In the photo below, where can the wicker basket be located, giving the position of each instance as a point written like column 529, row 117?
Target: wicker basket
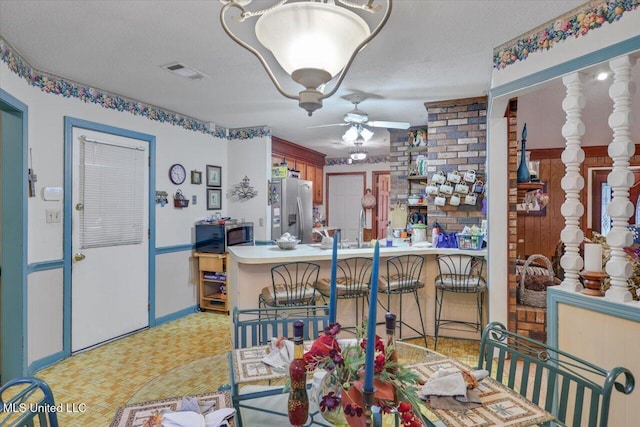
column 528, row 296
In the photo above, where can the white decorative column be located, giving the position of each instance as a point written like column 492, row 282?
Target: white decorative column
column 621, row 178
column 572, row 183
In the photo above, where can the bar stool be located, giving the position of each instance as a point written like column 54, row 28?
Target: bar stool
column 460, row 274
column 403, row 277
column 292, row 283
column 352, row 282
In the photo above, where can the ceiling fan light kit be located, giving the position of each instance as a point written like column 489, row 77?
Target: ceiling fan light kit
column 314, row 42
column 358, row 153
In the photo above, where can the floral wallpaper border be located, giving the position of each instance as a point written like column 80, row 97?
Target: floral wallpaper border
column 573, row 24
column 347, row 161
column 50, row 83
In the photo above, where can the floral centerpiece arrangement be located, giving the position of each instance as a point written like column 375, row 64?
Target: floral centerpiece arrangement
column 341, row 398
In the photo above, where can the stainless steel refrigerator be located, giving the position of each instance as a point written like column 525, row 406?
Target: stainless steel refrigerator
column 291, row 208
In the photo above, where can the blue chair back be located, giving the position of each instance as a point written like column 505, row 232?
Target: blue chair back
column 258, row 325
column 24, row 400
column 577, row 392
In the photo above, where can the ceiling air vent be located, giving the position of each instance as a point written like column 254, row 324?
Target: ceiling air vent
column 184, row 71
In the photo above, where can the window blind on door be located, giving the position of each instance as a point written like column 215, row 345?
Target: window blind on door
column 111, row 193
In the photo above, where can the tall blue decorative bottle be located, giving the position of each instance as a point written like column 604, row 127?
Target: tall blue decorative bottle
column 523, row 170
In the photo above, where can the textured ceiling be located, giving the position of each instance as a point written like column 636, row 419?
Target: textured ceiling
column 429, row 51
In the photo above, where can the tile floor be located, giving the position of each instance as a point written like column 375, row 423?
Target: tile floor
column 107, row 377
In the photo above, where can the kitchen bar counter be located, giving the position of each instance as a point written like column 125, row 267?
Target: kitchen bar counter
column 249, row 270
column 313, row 252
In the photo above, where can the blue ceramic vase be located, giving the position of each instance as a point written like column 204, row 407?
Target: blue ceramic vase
column 523, row 171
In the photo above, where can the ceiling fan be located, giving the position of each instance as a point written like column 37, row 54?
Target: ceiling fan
column 359, row 123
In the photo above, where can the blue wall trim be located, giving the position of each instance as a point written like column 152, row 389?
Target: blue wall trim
column 177, row 315
column 69, row 124
column 575, row 64
column 14, row 139
column 175, row 248
column 45, row 265
column 45, row 362
column 556, row 296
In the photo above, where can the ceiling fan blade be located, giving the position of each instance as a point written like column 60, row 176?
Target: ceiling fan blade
column 392, row 125
column 326, row 126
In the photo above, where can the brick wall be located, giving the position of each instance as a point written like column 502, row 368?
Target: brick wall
column 532, row 322
column 525, row 320
column 456, row 141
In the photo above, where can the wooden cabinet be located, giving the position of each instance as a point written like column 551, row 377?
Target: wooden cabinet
column 310, row 164
column 212, row 282
column 318, row 186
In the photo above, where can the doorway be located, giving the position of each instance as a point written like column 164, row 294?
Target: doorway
column 108, row 245
column 13, row 140
column 344, row 202
column 601, row 195
column 380, row 214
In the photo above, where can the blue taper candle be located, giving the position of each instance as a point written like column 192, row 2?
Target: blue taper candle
column 334, row 267
column 371, row 323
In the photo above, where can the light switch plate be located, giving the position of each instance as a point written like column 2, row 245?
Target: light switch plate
column 53, row 216
column 194, row 200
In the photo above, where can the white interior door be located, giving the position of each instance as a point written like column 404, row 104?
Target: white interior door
column 109, row 281
column 345, row 201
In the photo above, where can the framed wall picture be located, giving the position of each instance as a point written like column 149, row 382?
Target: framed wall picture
column 214, row 176
column 196, row 177
column 214, row 198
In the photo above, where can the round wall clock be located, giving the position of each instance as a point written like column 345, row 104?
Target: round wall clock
column 177, row 174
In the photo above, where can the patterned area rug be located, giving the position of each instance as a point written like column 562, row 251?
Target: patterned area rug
column 137, row 414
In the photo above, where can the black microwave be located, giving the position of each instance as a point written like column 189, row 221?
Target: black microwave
column 215, row 238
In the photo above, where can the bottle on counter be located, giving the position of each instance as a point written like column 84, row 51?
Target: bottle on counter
column 389, row 235
column 298, row 404
column 390, row 323
column 434, row 236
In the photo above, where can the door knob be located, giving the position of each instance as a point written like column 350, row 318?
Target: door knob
column 79, row 256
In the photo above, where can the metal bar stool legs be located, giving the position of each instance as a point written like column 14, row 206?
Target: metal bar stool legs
column 404, row 277
column 459, row 274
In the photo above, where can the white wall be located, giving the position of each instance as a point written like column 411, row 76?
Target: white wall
column 497, row 141
column 542, row 111
column 174, row 226
column 570, row 48
column 250, row 158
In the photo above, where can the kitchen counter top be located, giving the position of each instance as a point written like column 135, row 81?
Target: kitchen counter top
column 313, row 252
column 249, row 271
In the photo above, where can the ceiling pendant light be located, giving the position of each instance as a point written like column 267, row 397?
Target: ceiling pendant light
column 358, row 153
column 314, row 42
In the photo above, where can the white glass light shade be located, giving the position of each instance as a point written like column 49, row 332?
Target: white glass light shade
column 350, row 135
column 311, row 35
column 366, row 134
column 358, row 155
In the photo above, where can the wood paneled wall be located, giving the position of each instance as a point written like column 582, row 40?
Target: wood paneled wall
column 541, row 234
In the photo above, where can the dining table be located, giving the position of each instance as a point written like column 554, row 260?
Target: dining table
column 258, row 393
